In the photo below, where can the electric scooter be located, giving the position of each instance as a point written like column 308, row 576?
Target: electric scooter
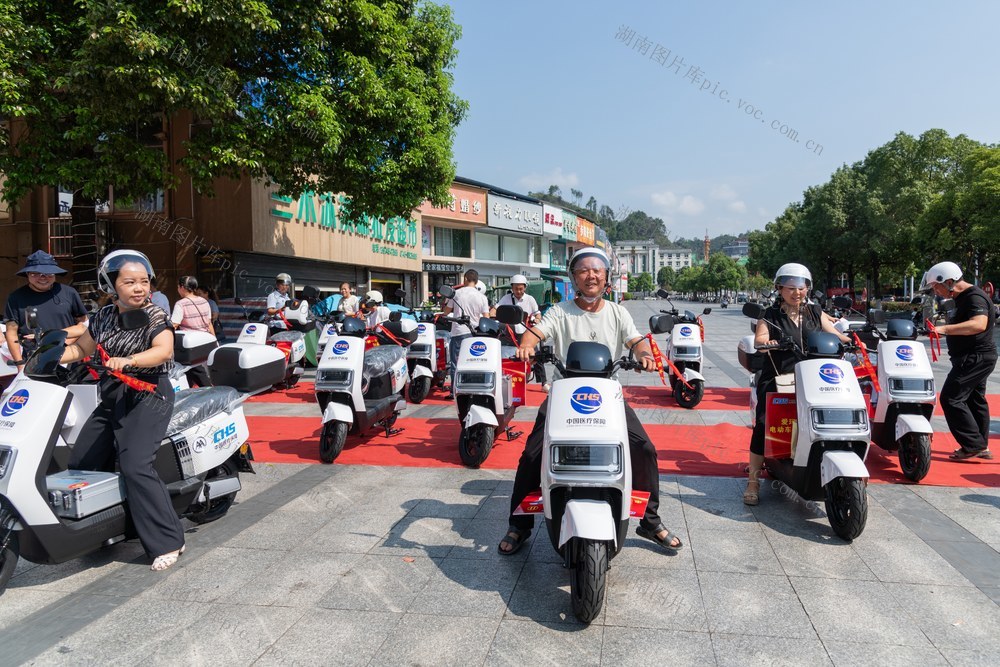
column 817, row 431
column 586, row 477
column 49, row 515
column 489, row 385
column 285, row 348
column 358, row 389
column 685, row 355
column 7, row 368
column 191, row 349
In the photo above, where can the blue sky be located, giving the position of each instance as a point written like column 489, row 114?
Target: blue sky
column 557, row 96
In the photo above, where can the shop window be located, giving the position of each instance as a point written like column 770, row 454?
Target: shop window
column 487, row 247
column 515, row 250
column 536, row 249
column 450, row 242
column 61, row 238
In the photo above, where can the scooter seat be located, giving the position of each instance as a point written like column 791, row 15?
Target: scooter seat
column 287, row 336
column 196, row 405
column 379, row 360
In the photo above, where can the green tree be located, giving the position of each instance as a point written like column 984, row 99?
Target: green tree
column 554, row 191
column 665, row 277
column 592, row 205
column 350, row 96
column 641, row 283
column 722, row 273
column 577, row 196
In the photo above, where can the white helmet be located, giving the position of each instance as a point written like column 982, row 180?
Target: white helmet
column 792, row 275
column 374, row 295
column 113, row 262
column 481, row 287
column 941, row 272
column 590, row 252
column 283, row 278
column 519, row 280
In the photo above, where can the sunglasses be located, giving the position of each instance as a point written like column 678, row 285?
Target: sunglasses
column 33, row 274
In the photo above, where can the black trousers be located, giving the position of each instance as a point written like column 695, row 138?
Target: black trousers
column 645, row 473
column 963, row 400
column 757, row 438
column 198, row 376
column 132, row 424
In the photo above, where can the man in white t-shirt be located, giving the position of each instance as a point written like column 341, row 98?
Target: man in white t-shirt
column 589, row 317
column 276, row 302
column 518, row 296
column 375, row 312
column 467, row 302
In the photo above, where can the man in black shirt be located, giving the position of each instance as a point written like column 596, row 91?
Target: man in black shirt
column 59, row 306
column 969, row 334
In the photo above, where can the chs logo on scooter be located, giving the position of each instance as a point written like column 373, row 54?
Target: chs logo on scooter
column 331, row 330
column 686, row 331
column 904, row 352
column 421, row 328
column 341, row 346
column 831, row 374
column 251, row 328
column 586, row 400
column 16, row 401
column 477, row 349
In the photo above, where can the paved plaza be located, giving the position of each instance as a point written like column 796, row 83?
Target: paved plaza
column 369, row 565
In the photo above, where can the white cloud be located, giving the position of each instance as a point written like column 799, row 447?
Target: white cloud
column 737, row 206
column 554, row 177
column 667, row 199
column 723, row 192
column 691, row 205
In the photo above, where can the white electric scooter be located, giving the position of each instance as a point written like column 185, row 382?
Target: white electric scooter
column 586, row 493
column 685, row 355
column 489, row 385
column 358, row 389
column 817, row 432
column 49, row 515
column 289, row 344
column 191, row 349
column 7, row 368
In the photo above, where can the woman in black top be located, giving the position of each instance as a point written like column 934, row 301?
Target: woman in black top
column 792, row 317
column 129, row 422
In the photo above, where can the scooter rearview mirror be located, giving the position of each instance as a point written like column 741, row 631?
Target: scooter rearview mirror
column 753, row 310
column 130, row 320
column 447, row 291
column 510, row 314
column 842, row 301
column 663, row 294
column 916, row 301
column 310, row 293
column 400, row 293
column 395, row 316
column 661, row 324
column 31, row 317
column 707, row 311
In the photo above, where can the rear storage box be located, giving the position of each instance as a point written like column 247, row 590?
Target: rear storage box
column 246, row 367
column 75, row 494
column 192, row 348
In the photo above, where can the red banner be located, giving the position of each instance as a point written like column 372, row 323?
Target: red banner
column 780, row 425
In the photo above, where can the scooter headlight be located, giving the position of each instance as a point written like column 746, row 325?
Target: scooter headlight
column 586, row 458
column 839, row 418
column 911, row 387
column 334, row 377
column 418, row 350
column 474, row 380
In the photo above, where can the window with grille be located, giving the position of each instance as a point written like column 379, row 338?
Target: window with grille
column 61, row 237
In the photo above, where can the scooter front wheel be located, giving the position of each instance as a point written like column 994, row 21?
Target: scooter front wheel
column 475, row 444
column 217, row 507
column 331, row 440
column 915, row 455
column 689, row 397
column 847, row 506
column 8, row 560
column 589, row 578
column 419, row 388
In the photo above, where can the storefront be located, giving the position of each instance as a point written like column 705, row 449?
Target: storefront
column 448, row 236
column 512, row 243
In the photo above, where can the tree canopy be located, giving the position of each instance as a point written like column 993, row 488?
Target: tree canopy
column 349, row 95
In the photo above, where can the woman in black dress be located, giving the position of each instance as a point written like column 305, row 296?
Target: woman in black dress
column 128, row 422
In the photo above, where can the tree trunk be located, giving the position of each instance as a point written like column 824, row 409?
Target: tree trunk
column 85, row 250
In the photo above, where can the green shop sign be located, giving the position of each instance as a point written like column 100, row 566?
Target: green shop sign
column 335, row 215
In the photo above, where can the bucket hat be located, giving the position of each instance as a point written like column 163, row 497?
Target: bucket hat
column 40, row 262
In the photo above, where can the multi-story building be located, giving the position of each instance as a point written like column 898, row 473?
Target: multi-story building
column 736, row 249
column 637, row 257
column 676, row 258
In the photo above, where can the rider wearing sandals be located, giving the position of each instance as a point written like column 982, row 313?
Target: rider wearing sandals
column 589, row 317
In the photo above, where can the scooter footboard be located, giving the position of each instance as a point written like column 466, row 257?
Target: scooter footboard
column 841, row 464
column 588, row 519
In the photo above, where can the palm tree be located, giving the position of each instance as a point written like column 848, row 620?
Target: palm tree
column 554, row 191
column 577, row 195
column 592, row 205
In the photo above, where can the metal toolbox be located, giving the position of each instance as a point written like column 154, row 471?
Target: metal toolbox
column 74, row 494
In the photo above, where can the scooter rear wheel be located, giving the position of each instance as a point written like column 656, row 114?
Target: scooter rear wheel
column 8, row 560
column 915, row 455
column 688, row 398
column 475, row 444
column 847, row 506
column 419, row 388
column 589, row 579
column 331, row 440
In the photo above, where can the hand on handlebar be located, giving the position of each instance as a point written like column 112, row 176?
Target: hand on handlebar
column 646, row 363
column 118, row 364
column 525, row 353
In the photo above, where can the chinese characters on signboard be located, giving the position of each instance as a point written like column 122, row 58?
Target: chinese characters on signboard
column 514, row 215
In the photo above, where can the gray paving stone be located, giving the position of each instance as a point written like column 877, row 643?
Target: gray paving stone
column 380, row 583
column 978, row 562
column 19, row 602
column 624, row 647
column 469, row 590
column 832, row 559
column 743, row 551
column 72, row 575
column 441, row 643
column 907, row 561
column 857, row 611
column 226, row 635
column 709, row 513
column 283, row 530
column 332, row 637
column 542, row 595
column 969, row 658
column 479, row 539
column 353, row 533
column 754, row 604
column 850, row 654
column 214, row 576
column 299, row 579
column 422, row 536
column 743, row 651
column 953, row 617
column 519, row 643
column 646, row 598
column 640, row 552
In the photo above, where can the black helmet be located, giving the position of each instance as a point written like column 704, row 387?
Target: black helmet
column 821, row 344
column 900, row 330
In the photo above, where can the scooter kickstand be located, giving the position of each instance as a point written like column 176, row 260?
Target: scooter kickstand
column 512, row 434
column 392, row 431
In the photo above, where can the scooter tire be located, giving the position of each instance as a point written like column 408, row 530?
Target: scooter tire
column 847, row 506
column 8, row 560
column 475, row 444
column 419, row 388
column 331, row 440
column 589, row 578
column 915, row 455
column 217, row 507
column 689, row 398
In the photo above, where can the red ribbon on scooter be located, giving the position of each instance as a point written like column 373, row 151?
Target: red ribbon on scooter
column 935, row 337
column 866, row 370
column 127, row 380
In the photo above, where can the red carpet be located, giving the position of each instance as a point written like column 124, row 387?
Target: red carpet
column 688, row 450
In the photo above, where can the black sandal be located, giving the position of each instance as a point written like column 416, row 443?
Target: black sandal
column 516, row 538
column 963, row 454
column 653, row 535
